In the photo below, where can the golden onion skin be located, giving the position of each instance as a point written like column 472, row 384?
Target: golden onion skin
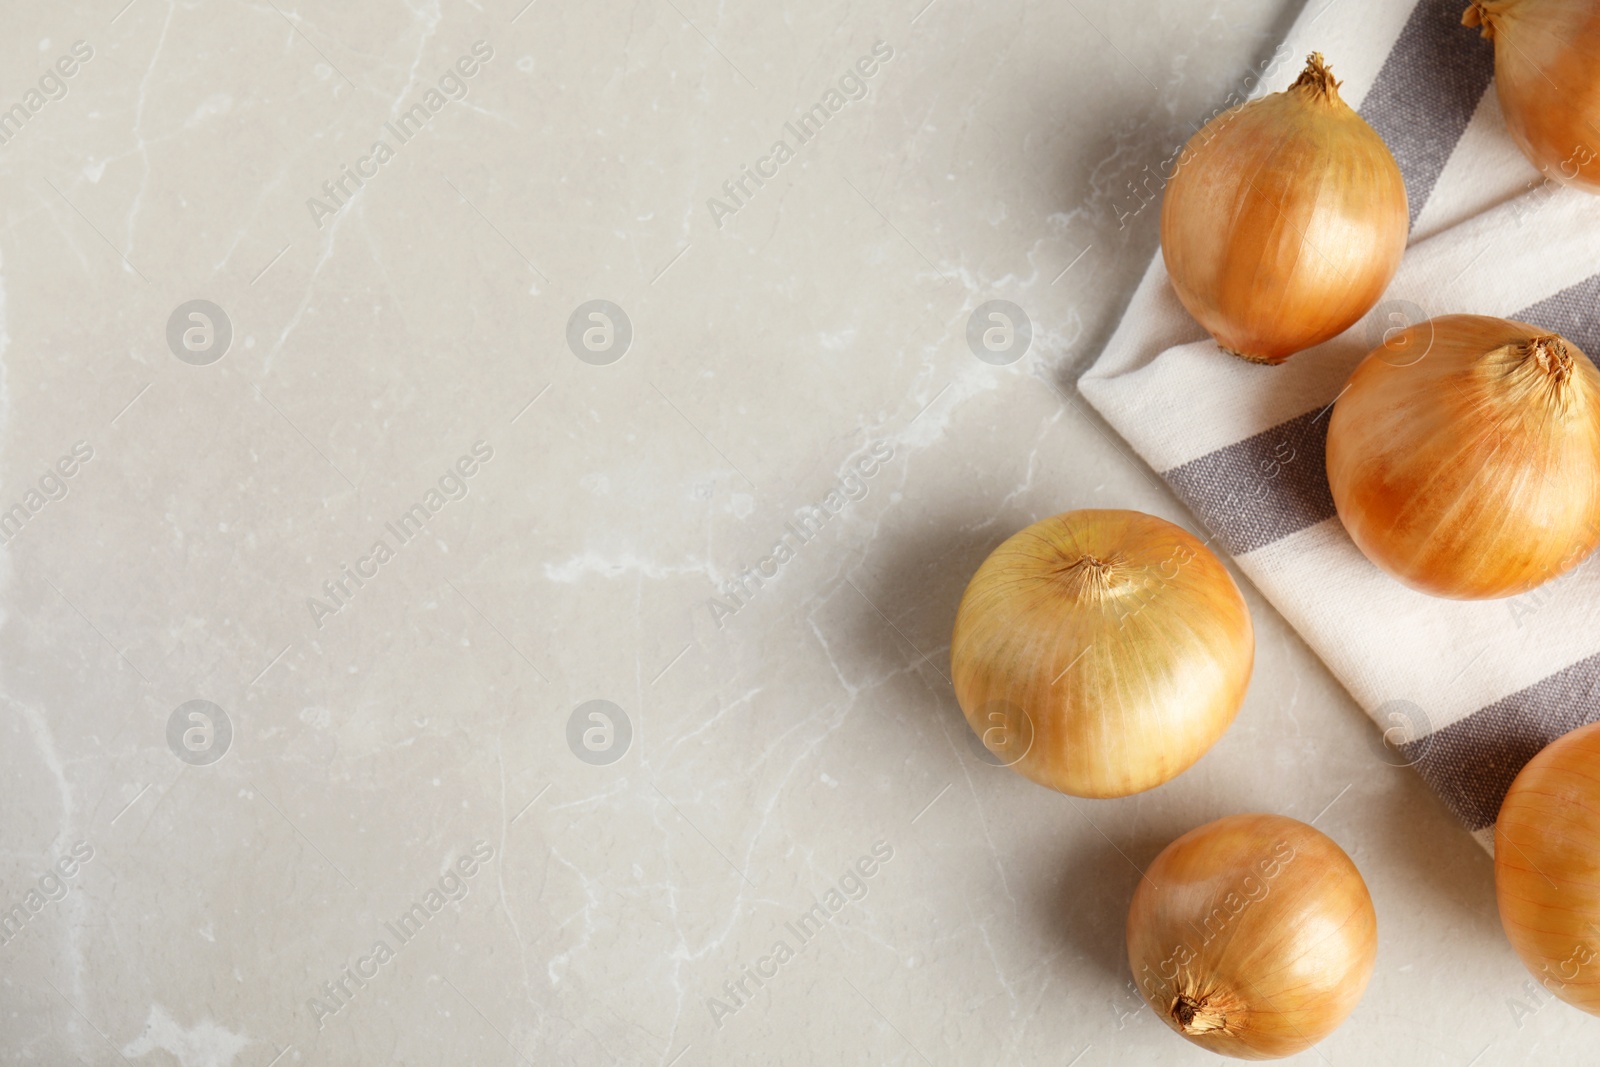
column 1547, row 867
column 1113, row 644
column 1464, row 456
column 1253, row 936
column 1547, row 76
column 1284, row 221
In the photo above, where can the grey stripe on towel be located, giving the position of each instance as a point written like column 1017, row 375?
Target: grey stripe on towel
column 1275, row 483
column 1262, row 489
column 1574, row 313
column 1426, row 92
column 1471, row 763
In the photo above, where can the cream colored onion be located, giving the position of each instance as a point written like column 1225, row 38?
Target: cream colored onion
column 1284, row 221
column 1547, row 867
column 1253, row 936
column 1547, row 76
column 1101, row 653
column 1464, row 456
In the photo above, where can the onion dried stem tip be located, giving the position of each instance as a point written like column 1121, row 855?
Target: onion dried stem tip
column 1478, row 15
column 1317, row 79
column 1550, row 352
column 1090, row 578
column 1194, row 1017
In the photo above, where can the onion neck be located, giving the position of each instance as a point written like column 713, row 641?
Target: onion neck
column 1317, row 82
column 1089, row 578
column 1479, row 14
column 1551, row 355
column 1539, row 367
column 1195, row 1015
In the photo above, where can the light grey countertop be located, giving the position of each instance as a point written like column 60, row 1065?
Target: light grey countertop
column 558, row 530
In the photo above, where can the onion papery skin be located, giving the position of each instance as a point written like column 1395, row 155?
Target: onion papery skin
column 1114, row 643
column 1284, row 221
column 1253, row 936
column 1547, row 76
column 1547, row 867
column 1464, row 456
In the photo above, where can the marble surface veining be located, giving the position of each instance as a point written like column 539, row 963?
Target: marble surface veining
column 485, row 489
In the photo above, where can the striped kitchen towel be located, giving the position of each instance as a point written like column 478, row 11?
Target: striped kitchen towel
column 1466, row 692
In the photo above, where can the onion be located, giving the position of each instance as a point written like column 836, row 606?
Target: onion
column 1547, row 75
column 1252, row 936
column 1464, row 456
column 1285, row 220
column 1547, row 867
column 1101, row 652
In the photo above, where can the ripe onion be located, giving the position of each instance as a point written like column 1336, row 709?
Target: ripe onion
column 1101, row 652
column 1547, row 867
column 1547, row 75
column 1252, row 936
column 1285, row 220
column 1464, row 456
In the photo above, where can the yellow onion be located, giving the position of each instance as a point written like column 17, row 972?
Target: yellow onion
column 1547, row 75
column 1101, row 652
column 1252, row 936
column 1464, row 456
column 1284, row 221
column 1547, row 867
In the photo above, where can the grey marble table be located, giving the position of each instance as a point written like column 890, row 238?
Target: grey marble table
column 485, row 489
